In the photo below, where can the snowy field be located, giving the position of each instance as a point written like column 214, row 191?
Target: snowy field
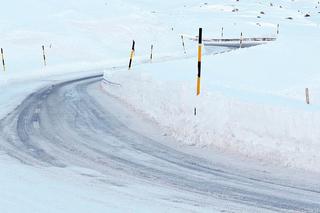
column 251, row 109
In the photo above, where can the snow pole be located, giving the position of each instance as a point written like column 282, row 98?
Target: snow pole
column 184, row 47
column 222, row 32
column 199, row 61
column 151, row 54
column 307, row 96
column 241, row 38
column 2, row 57
column 44, row 56
column 278, row 29
column 131, row 54
column 199, row 66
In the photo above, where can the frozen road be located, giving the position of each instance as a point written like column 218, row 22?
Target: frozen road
column 65, row 125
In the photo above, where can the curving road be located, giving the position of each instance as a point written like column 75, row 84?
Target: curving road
column 64, row 125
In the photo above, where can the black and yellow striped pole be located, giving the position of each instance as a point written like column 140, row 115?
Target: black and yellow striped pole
column 199, row 61
column 199, row 66
column 44, row 56
column 2, row 57
column 131, row 54
column 151, row 54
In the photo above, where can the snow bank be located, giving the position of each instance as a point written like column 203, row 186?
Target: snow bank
column 271, row 132
column 252, row 101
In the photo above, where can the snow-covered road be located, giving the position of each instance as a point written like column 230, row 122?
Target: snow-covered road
column 77, row 124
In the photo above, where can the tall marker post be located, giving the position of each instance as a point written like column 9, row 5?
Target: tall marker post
column 44, row 56
column 131, row 54
column 199, row 66
column 241, row 38
column 222, row 32
column 199, row 61
column 2, row 57
column 278, row 26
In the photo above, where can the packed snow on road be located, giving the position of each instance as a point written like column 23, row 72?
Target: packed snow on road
column 223, row 121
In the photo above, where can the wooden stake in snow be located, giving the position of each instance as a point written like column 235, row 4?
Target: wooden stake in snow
column 241, row 38
column 307, row 96
column 151, row 54
column 44, row 56
column 184, row 48
column 131, row 54
column 2, row 57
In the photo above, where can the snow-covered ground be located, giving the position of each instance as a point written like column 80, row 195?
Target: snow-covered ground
column 251, row 104
column 252, row 100
column 91, row 151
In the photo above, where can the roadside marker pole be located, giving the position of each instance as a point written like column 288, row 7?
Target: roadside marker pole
column 184, row 47
column 151, row 54
column 241, row 38
column 2, row 57
column 278, row 29
column 44, row 56
column 307, row 96
column 199, row 66
column 222, row 32
column 131, row 54
column 199, row 61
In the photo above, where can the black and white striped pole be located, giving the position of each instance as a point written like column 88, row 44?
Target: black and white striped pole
column 222, row 32
column 44, row 56
column 151, row 54
column 241, row 38
column 184, row 47
column 307, row 96
column 131, row 54
column 278, row 26
column 3, row 63
column 199, row 66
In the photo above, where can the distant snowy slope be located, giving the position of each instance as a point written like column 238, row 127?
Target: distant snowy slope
column 80, row 35
column 97, row 34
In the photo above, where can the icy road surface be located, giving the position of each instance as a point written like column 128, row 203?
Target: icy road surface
column 69, row 125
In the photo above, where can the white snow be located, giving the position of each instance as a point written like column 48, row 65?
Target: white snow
column 252, row 100
column 29, row 189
